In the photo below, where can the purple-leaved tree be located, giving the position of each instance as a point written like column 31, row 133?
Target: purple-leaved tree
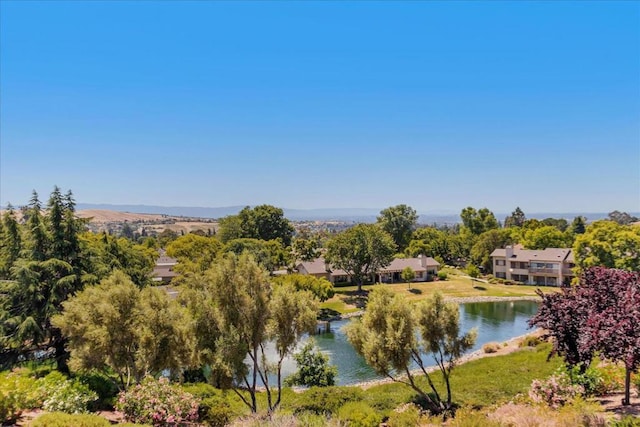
column 599, row 315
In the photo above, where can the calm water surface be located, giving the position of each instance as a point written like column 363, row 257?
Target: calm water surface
column 496, row 321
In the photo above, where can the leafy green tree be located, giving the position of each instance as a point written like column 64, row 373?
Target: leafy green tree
column 194, row 253
column 579, row 225
column 408, row 275
column 230, row 228
column 472, row 271
column 270, row 254
column 361, row 251
column 264, row 222
column 166, row 236
column 546, row 236
column 270, row 224
column 516, row 219
column 429, row 241
column 105, row 253
column 116, row 325
column 392, row 334
column 608, row 244
column 237, row 311
column 305, row 248
column 559, row 223
column 486, row 243
column 399, row 221
column 478, row 221
column 313, row 368
column 321, row 288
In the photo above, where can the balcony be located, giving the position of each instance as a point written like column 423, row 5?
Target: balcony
column 553, row 271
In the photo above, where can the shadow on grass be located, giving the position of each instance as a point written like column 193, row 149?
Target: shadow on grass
column 327, row 313
column 356, row 299
column 480, row 288
column 416, row 291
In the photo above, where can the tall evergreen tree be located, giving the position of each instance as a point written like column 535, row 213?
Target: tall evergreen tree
column 11, row 243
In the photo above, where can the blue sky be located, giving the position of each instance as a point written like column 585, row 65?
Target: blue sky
column 323, row 104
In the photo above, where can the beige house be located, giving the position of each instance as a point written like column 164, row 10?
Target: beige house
column 163, row 270
column 423, row 266
column 546, row 267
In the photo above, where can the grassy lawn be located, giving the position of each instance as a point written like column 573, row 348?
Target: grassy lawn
column 456, row 286
column 479, row 383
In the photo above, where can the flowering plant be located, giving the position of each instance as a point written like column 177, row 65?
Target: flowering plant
column 555, row 391
column 159, row 403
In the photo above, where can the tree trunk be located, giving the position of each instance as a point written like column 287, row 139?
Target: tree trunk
column 627, row 385
column 62, row 355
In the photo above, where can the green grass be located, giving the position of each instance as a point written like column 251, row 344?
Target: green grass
column 479, row 383
column 338, row 304
column 346, row 299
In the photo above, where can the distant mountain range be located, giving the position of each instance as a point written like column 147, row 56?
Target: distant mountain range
column 339, row 214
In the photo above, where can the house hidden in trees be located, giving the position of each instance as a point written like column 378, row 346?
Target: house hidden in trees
column 546, row 267
column 163, row 270
column 423, row 266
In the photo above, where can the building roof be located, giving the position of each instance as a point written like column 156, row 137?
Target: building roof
column 163, row 272
column 400, row 264
column 319, row 266
column 528, row 255
column 166, row 260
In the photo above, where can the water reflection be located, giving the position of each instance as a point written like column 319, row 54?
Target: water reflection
column 496, row 321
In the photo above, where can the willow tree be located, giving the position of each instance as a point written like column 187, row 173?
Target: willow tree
column 238, row 312
column 394, row 335
column 116, row 325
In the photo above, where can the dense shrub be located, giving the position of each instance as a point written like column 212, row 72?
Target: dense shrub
column 359, row 414
column 59, row 419
column 405, row 416
column 325, row 400
column 612, row 378
column 159, row 403
column 442, row 275
column 200, row 390
column 491, row 347
column 555, row 391
column 590, row 380
column 530, row 341
column 313, row 368
column 17, row 392
column 104, row 386
column 57, row 393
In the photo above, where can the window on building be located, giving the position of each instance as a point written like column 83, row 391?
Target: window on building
column 501, row 262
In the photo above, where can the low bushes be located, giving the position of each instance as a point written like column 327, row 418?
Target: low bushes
column 359, row 414
column 64, row 395
column 491, row 347
column 530, row 341
column 325, row 400
column 17, row 392
column 159, row 403
column 54, row 392
column 555, row 391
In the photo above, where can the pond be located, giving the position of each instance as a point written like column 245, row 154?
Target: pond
column 496, row 321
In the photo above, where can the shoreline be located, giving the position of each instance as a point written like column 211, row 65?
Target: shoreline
column 512, row 345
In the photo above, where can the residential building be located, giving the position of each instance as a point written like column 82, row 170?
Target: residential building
column 546, row 267
column 163, row 270
column 423, row 266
